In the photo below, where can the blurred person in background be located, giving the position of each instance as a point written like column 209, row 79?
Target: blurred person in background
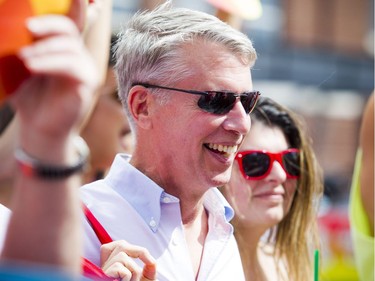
column 185, row 83
column 107, row 130
column 274, row 189
column 361, row 203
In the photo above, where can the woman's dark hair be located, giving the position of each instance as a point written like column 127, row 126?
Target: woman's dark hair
column 272, row 114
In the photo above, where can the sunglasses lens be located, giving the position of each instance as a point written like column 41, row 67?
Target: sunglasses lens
column 255, row 164
column 222, row 103
column 217, row 103
column 249, row 101
column 291, row 162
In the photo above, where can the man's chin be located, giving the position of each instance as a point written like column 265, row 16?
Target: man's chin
column 221, row 179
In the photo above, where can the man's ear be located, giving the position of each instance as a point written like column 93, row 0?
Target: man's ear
column 139, row 102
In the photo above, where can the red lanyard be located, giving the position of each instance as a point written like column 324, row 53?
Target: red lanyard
column 89, row 269
column 99, row 230
column 94, row 272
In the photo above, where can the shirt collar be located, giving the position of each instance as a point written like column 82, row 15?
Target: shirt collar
column 214, row 202
column 146, row 197
column 141, row 192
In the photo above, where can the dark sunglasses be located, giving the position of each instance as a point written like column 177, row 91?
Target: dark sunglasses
column 257, row 164
column 216, row 102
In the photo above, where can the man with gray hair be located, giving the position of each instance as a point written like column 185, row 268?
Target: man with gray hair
column 185, row 83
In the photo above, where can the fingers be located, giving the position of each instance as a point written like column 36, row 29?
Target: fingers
column 48, row 25
column 59, row 51
column 53, row 45
column 122, row 266
column 62, row 75
column 71, row 66
column 118, row 271
column 117, row 261
column 131, row 250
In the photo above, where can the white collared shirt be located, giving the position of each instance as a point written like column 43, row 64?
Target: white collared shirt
column 130, row 206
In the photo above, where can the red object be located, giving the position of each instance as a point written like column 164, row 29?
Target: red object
column 13, row 35
column 257, row 164
column 12, row 73
column 94, row 272
column 26, row 169
column 91, row 270
column 335, row 221
column 102, row 234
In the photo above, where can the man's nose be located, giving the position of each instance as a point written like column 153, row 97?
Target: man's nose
column 237, row 119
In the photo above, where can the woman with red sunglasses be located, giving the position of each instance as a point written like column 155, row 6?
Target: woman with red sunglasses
column 274, row 190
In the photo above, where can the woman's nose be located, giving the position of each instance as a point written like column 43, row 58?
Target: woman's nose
column 277, row 172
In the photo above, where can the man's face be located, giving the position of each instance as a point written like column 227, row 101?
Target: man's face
column 190, row 140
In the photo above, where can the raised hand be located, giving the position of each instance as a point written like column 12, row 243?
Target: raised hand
column 63, row 77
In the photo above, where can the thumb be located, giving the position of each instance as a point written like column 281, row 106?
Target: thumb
column 149, row 272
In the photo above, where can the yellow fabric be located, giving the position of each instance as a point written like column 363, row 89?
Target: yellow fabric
column 363, row 242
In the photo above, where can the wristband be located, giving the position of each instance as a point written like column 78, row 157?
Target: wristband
column 35, row 168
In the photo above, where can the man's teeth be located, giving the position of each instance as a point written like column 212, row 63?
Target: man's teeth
column 229, row 149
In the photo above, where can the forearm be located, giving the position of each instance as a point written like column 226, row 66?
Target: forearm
column 52, row 239
column 32, row 236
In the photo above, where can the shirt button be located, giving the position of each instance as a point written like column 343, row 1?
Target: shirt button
column 152, row 223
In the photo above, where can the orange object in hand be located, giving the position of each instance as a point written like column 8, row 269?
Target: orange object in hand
column 15, row 35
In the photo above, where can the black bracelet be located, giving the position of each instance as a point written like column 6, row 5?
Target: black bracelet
column 34, row 167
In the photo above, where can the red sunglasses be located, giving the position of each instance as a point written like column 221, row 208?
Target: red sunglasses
column 257, row 164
